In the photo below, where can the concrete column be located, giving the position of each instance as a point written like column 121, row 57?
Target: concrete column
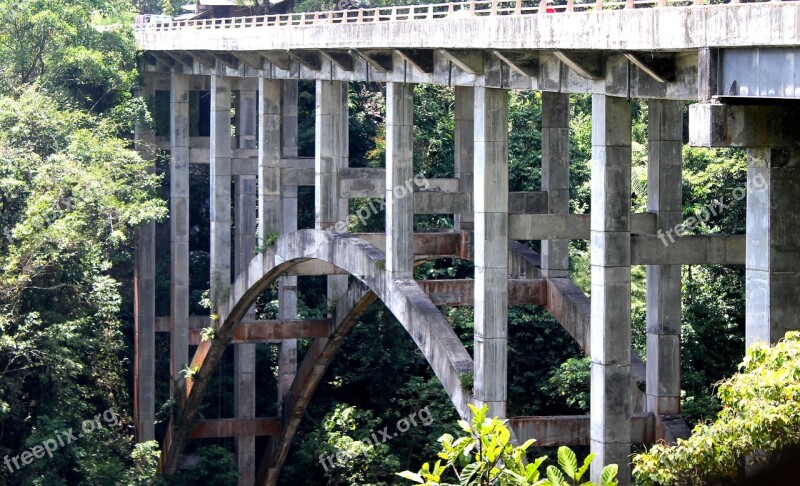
column 245, row 243
column 145, row 304
column 179, row 226
column 220, row 186
column 464, row 114
column 337, row 284
column 327, row 154
column 491, row 249
column 287, row 286
column 399, row 171
column 611, row 285
column 772, row 275
column 665, row 133
column 555, row 176
column 269, row 158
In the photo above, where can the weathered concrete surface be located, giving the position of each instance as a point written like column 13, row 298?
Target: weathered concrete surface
column 179, row 225
column 573, row 430
column 568, row 226
column 491, row 249
column 462, row 292
column 688, row 250
column 238, row 427
column 646, row 29
column 663, row 388
column 144, row 307
column 247, row 117
column 772, row 275
column 220, row 186
column 463, row 151
column 718, row 125
column 555, row 177
column 399, row 173
column 611, row 285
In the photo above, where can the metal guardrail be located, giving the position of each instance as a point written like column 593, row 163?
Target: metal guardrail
column 399, row 13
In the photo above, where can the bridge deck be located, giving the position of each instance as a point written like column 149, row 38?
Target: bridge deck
column 641, row 52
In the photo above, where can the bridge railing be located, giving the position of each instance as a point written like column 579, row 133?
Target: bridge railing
column 399, row 13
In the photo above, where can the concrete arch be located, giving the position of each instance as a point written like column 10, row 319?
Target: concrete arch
column 403, row 297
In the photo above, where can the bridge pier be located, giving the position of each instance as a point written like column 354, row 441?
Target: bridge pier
column 664, row 198
column 555, row 177
column 145, row 301
column 179, row 227
column 399, row 171
column 491, row 249
column 245, row 243
column 610, row 332
column 285, row 144
column 464, row 141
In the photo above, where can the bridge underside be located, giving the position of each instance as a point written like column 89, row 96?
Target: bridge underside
column 262, row 162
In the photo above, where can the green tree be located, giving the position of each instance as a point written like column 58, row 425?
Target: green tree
column 760, row 416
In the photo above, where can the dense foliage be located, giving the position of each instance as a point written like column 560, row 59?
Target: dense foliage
column 760, row 417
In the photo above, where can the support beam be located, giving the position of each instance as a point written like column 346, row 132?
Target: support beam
column 220, row 186
column 468, row 60
column 688, row 250
column 464, row 139
column 569, row 226
column 664, row 197
column 328, row 154
column 588, row 64
column 555, row 176
column 461, row 293
column 245, row 354
column 421, row 59
column 179, row 227
column 239, row 428
column 611, row 285
column 145, row 302
column 287, row 286
column 574, row 430
column 399, row 170
column 491, row 249
column 272, row 332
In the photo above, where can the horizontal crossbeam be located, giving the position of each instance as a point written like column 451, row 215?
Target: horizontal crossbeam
column 239, row 427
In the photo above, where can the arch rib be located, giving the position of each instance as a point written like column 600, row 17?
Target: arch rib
column 403, row 297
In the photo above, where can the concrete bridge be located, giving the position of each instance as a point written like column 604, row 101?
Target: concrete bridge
column 740, row 63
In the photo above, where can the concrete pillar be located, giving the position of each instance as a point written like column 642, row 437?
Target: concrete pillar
column 491, row 249
column 245, row 243
column 179, row 226
column 287, row 286
column 555, row 176
column 145, row 304
column 610, row 333
column 337, row 284
column 399, row 171
column 665, row 134
column 772, row 275
column 464, row 114
column 220, row 187
column 327, row 154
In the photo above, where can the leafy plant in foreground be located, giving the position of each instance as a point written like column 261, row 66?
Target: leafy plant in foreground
column 485, row 456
